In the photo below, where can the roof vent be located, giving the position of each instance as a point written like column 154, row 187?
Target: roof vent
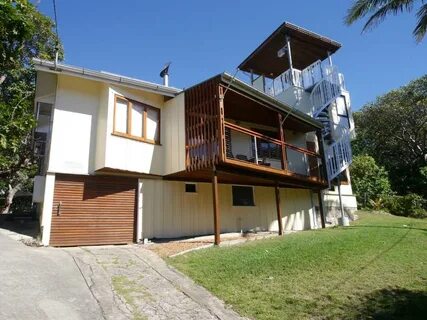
column 165, row 74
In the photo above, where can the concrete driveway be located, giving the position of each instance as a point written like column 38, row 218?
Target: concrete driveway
column 106, row 282
column 42, row 283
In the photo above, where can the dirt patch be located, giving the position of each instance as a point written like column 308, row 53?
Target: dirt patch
column 173, row 247
column 168, row 249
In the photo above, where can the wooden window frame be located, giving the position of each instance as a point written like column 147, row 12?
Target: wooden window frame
column 128, row 134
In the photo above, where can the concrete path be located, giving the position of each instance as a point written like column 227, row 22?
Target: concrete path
column 42, row 283
column 148, row 287
column 109, row 282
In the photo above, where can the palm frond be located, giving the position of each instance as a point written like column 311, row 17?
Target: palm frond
column 361, row 8
column 392, row 7
column 421, row 27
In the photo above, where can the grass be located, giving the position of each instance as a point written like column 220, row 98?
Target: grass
column 375, row 269
column 130, row 292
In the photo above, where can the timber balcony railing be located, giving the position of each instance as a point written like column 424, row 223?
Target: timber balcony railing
column 254, row 150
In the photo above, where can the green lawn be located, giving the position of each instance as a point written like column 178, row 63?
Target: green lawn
column 375, row 269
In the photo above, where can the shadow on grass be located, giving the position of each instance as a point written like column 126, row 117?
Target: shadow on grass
column 393, row 303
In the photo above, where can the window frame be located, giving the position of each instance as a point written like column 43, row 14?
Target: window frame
column 253, row 203
column 128, row 133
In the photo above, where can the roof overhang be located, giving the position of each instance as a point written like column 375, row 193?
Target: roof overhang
column 49, row 66
column 306, row 46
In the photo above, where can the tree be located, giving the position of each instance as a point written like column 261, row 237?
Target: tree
column 393, row 130
column 25, row 33
column 380, row 9
column 369, row 181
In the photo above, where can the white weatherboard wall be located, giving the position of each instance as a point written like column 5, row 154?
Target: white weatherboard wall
column 102, row 125
column 173, row 134
column 46, row 87
column 298, row 98
column 332, row 204
column 132, row 155
column 46, row 216
column 74, row 127
column 169, row 212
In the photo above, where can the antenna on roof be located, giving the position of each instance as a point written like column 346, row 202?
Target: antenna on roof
column 165, row 74
column 57, row 35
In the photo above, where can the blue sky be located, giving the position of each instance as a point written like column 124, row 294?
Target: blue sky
column 203, row 38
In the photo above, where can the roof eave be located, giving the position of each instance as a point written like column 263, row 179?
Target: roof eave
column 49, row 66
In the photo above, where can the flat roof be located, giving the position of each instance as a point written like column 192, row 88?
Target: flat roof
column 60, row 68
column 306, row 46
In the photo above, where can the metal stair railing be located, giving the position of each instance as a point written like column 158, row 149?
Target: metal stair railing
column 338, row 156
column 326, row 90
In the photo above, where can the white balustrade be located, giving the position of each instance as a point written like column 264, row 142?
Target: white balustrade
column 338, row 156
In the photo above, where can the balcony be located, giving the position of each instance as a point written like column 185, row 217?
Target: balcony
column 250, row 137
column 255, row 150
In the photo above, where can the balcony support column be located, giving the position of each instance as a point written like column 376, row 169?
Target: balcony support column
column 216, row 211
column 330, row 58
column 323, row 172
column 278, row 208
column 282, row 138
column 289, row 54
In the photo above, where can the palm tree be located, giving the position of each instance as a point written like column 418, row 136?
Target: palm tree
column 379, row 9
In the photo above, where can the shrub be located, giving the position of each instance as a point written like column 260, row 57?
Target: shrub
column 412, row 205
column 369, row 181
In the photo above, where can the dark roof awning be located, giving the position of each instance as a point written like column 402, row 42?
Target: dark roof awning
column 306, row 46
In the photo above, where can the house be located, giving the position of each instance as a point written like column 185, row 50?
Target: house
column 122, row 160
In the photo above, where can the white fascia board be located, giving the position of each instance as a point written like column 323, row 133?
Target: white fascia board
column 49, row 66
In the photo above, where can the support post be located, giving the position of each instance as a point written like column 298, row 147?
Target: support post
column 140, row 211
column 322, row 212
column 283, row 159
column 216, row 211
column 329, row 58
column 278, row 208
column 289, row 53
column 324, row 172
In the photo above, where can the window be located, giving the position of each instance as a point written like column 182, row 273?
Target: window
column 136, row 120
column 243, row 196
column 190, row 188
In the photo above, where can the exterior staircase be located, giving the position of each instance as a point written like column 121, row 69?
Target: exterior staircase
column 338, row 154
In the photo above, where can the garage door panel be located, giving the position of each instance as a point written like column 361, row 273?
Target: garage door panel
column 93, row 210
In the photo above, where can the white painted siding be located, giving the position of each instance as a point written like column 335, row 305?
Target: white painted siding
column 74, row 126
column 45, row 87
column 102, row 127
column 173, row 134
column 297, row 98
column 170, row 212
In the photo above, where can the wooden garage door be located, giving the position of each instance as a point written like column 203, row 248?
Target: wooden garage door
column 93, row 210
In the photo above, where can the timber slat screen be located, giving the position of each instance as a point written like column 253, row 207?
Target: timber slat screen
column 93, row 210
column 203, row 125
